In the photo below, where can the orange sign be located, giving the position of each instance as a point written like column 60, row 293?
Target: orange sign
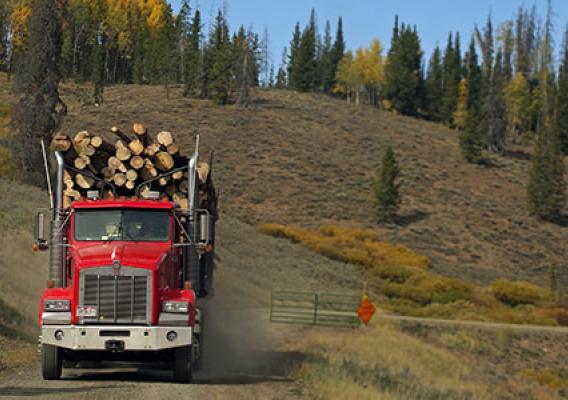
column 366, row 310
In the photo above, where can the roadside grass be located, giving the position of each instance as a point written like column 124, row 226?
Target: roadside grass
column 407, row 286
column 7, row 165
column 382, row 362
column 15, row 353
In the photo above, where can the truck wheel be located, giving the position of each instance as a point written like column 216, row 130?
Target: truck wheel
column 183, row 364
column 51, row 362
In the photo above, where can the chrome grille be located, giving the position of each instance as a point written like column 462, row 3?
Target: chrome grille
column 120, row 298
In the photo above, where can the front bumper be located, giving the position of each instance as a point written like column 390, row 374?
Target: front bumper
column 133, row 338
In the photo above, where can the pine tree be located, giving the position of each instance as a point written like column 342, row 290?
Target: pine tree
column 435, row 87
column 293, row 64
column 40, row 110
column 547, row 187
column 386, row 188
column 281, row 78
column 494, row 110
column 183, row 24
column 473, row 76
column 486, row 43
column 325, row 67
column 98, row 76
column 452, row 77
column 307, row 62
column 141, row 36
column 471, row 143
column 192, row 56
column 471, row 136
column 546, row 75
column 403, row 85
column 337, row 51
column 265, row 58
column 561, row 123
column 220, row 79
column 507, row 42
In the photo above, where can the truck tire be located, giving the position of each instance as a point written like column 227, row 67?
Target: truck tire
column 51, row 362
column 183, row 364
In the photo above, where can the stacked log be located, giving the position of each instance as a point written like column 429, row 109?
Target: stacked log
column 126, row 161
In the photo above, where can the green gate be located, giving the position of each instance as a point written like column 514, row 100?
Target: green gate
column 327, row 309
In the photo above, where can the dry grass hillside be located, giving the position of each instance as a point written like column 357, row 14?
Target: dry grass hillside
column 308, row 159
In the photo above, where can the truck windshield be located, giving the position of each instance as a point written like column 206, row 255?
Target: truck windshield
column 123, row 225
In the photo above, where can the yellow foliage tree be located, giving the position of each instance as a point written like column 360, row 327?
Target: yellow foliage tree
column 517, row 97
column 347, row 78
column 460, row 114
column 373, row 66
column 362, row 72
column 21, row 12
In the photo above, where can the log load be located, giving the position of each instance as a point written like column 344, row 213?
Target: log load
column 125, row 160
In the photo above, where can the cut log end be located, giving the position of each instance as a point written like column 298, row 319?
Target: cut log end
column 165, row 138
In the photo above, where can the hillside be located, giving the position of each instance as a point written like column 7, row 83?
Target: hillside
column 308, row 159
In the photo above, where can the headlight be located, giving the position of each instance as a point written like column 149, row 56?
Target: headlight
column 56, row 305
column 175, row 306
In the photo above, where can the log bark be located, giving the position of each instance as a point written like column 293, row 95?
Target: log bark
column 120, row 134
column 148, row 172
column 99, row 160
column 171, row 189
column 102, row 145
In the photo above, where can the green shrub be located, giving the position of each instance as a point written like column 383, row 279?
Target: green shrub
column 427, row 288
column 517, row 293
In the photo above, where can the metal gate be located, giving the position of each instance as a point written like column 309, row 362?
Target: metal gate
column 327, row 309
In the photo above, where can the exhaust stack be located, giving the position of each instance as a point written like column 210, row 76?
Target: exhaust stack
column 57, row 234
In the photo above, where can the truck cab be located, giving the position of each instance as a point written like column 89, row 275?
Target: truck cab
column 125, row 277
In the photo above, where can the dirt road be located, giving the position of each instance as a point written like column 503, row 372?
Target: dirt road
column 245, row 355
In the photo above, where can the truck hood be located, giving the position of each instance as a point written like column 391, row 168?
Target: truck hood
column 144, row 255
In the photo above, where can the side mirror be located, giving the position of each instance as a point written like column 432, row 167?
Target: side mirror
column 39, row 231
